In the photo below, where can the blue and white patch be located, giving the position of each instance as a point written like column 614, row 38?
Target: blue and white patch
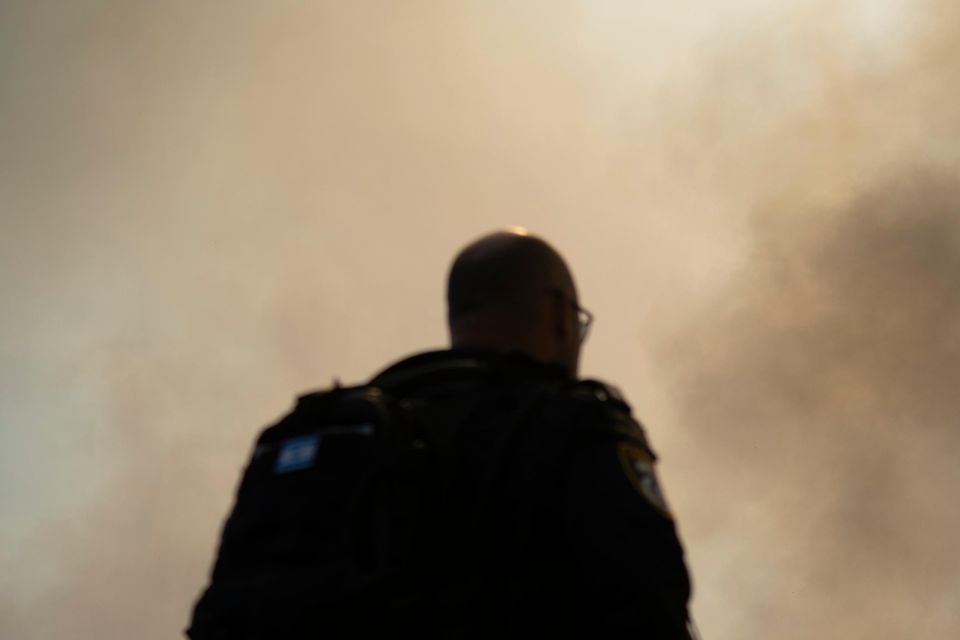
column 296, row 454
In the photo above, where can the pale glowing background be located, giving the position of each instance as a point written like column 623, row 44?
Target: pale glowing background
column 209, row 207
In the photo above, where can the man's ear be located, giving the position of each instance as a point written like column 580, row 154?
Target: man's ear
column 559, row 323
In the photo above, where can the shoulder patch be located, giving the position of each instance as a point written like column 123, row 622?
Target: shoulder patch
column 638, row 465
column 297, row 454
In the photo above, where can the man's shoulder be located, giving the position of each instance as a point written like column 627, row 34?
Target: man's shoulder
column 599, row 393
column 599, row 408
column 592, row 396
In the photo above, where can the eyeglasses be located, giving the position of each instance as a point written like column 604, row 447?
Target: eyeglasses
column 584, row 320
column 584, row 317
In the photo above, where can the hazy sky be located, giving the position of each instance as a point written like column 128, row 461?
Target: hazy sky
column 210, row 207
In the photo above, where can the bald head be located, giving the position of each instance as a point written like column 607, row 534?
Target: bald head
column 511, row 291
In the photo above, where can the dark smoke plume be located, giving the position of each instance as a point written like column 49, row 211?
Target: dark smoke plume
column 825, row 394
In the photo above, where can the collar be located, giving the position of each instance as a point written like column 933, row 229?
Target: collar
column 447, row 364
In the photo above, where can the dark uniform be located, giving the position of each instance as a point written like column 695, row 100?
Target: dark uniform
column 556, row 518
column 549, row 519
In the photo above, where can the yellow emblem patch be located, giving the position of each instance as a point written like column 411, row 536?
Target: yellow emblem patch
column 638, row 466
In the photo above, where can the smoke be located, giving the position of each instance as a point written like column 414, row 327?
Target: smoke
column 817, row 389
column 208, row 208
column 822, row 391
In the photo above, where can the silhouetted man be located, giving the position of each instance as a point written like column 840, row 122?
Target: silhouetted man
column 540, row 514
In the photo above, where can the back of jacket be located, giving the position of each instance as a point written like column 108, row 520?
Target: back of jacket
column 553, row 520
